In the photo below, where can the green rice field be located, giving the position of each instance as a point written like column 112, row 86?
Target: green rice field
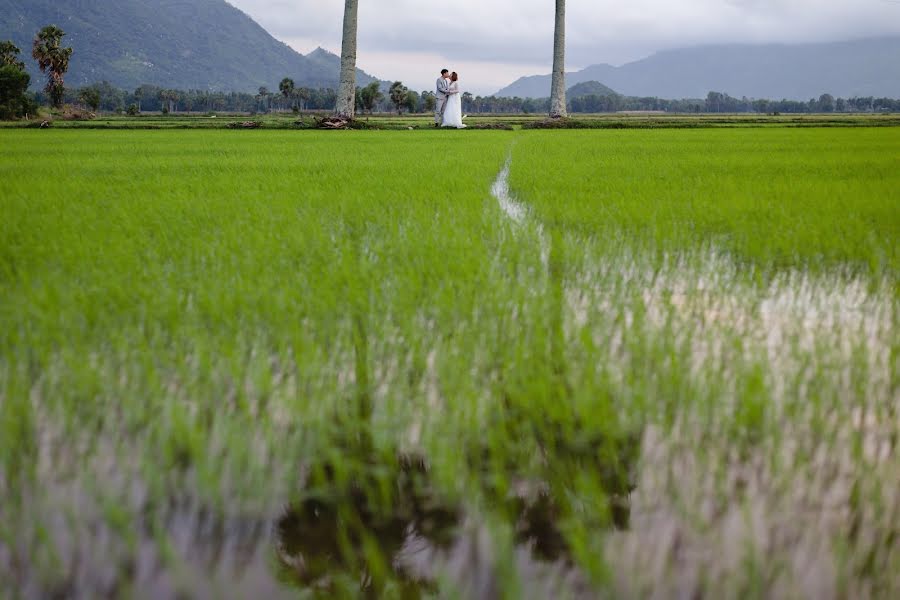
column 440, row 364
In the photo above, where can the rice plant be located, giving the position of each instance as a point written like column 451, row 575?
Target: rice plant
column 331, row 364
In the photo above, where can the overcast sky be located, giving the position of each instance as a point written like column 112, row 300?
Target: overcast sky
column 494, row 42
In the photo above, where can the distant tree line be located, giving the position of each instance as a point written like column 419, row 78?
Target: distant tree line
column 826, row 103
column 105, row 97
column 397, row 98
column 500, row 105
column 715, row 102
column 371, row 99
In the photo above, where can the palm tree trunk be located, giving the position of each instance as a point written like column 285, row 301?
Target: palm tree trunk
column 346, row 100
column 558, row 87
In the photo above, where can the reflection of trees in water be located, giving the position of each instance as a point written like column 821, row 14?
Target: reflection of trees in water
column 391, row 529
column 357, row 531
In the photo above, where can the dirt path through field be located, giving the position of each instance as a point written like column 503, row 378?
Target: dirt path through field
column 517, row 212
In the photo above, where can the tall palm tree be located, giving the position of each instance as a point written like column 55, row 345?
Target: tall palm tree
column 263, row 98
column 53, row 59
column 346, row 100
column 286, row 87
column 302, row 94
column 558, row 87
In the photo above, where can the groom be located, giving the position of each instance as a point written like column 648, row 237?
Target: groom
column 443, row 92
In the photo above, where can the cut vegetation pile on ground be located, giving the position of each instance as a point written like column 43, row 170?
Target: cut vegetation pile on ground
column 235, row 363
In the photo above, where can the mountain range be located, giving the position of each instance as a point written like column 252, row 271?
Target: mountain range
column 589, row 88
column 869, row 67
column 184, row 44
column 211, row 45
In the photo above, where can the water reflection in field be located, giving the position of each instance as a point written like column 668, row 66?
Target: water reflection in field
column 396, row 533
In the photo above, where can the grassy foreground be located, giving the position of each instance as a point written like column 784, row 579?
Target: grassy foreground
column 246, row 364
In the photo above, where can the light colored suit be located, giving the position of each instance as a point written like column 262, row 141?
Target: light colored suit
column 441, row 95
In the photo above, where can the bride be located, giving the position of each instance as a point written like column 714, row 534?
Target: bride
column 453, row 116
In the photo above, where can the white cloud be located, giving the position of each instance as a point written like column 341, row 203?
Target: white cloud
column 493, row 42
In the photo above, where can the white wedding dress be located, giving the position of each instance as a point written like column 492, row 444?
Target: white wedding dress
column 453, row 116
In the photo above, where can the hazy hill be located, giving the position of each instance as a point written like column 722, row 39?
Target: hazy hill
column 859, row 68
column 589, row 88
column 200, row 44
column 323, row 59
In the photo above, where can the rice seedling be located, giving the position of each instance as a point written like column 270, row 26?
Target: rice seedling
column 252, row 362
column 739, row 294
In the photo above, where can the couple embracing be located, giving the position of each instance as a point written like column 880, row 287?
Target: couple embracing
column 448, row 108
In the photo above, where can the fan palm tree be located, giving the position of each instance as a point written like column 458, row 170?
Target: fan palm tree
column 286, row 87
column 9, row 56
column 558, row 87
column 53, row 59
column 346, row 100
column 302, row 95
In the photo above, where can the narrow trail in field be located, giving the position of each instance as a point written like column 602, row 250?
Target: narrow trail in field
column 500, row 190
column 516, row 211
